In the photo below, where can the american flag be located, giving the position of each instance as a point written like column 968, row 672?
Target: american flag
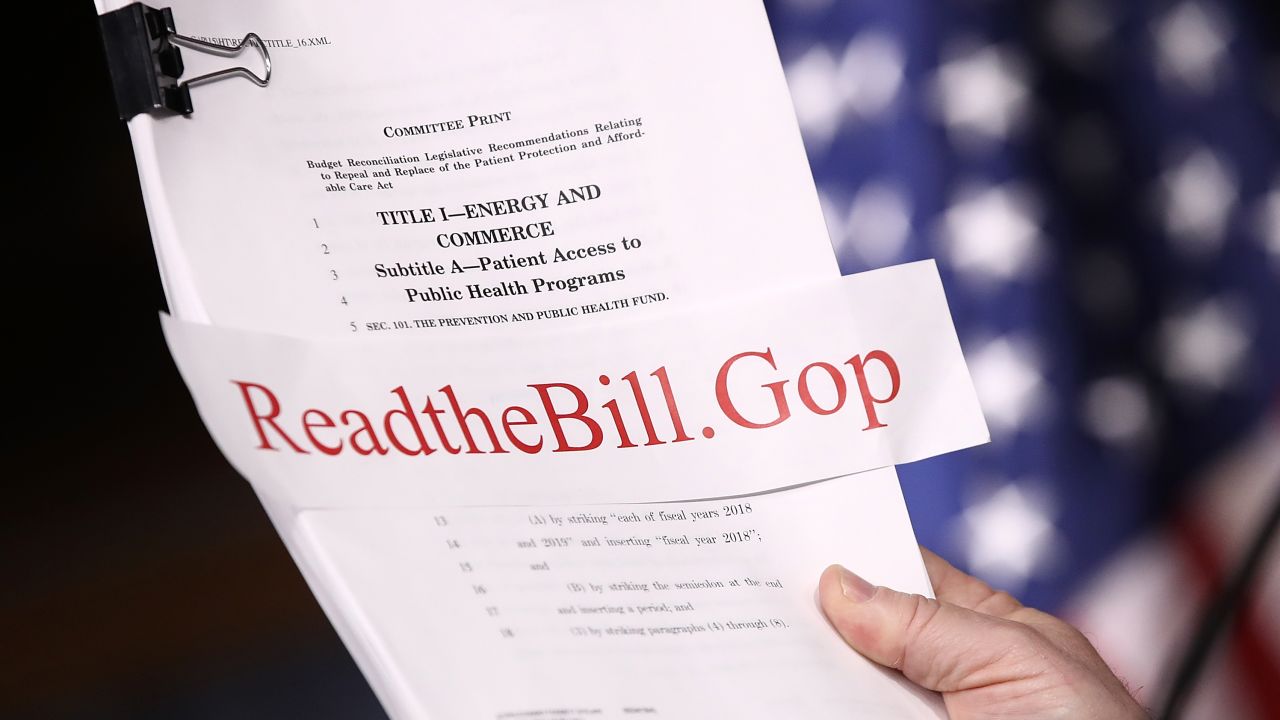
column 1100, row 183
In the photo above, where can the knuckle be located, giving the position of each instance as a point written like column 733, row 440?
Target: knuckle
column 923, row 613
column 1031, row 616
column 1002, row 601
column 1023, row 637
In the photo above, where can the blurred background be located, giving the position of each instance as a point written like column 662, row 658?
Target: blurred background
column 1099, row 181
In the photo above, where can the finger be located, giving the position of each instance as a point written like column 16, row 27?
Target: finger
column 959, row 588
column 937, row 645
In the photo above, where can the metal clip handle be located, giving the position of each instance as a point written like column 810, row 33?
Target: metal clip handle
column 250, row 40
column 145, row 63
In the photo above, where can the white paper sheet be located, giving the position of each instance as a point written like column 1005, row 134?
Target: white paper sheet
column 858, row 373
column 715, row 188
column 674, row 610
column 698, row 187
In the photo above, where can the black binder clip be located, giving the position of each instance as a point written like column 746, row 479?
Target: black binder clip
column 145, row 62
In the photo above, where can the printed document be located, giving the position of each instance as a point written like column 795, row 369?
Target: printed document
column 419, row 166
column 523, row 322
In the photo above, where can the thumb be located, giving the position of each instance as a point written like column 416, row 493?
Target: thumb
column 935, row 644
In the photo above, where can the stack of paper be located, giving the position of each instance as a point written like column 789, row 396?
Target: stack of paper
column 522, row 320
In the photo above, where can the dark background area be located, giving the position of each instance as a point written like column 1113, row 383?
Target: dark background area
column 141, row 577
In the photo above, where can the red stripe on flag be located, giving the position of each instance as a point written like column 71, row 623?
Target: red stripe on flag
column 1254, row 663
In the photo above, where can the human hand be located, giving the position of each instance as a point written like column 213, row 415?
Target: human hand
column 989, row 656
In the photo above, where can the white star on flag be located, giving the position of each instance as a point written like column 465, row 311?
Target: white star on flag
column 878, row 224
column 812, row 80
column 1117, row 410
column 1009, row 383
column 1190, row 47
column 981, row 92
column 1078, row 28
column 1204, row 347
column 1198, row 196
column 1007, row 536
column 870, row 73
column 990, row 232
